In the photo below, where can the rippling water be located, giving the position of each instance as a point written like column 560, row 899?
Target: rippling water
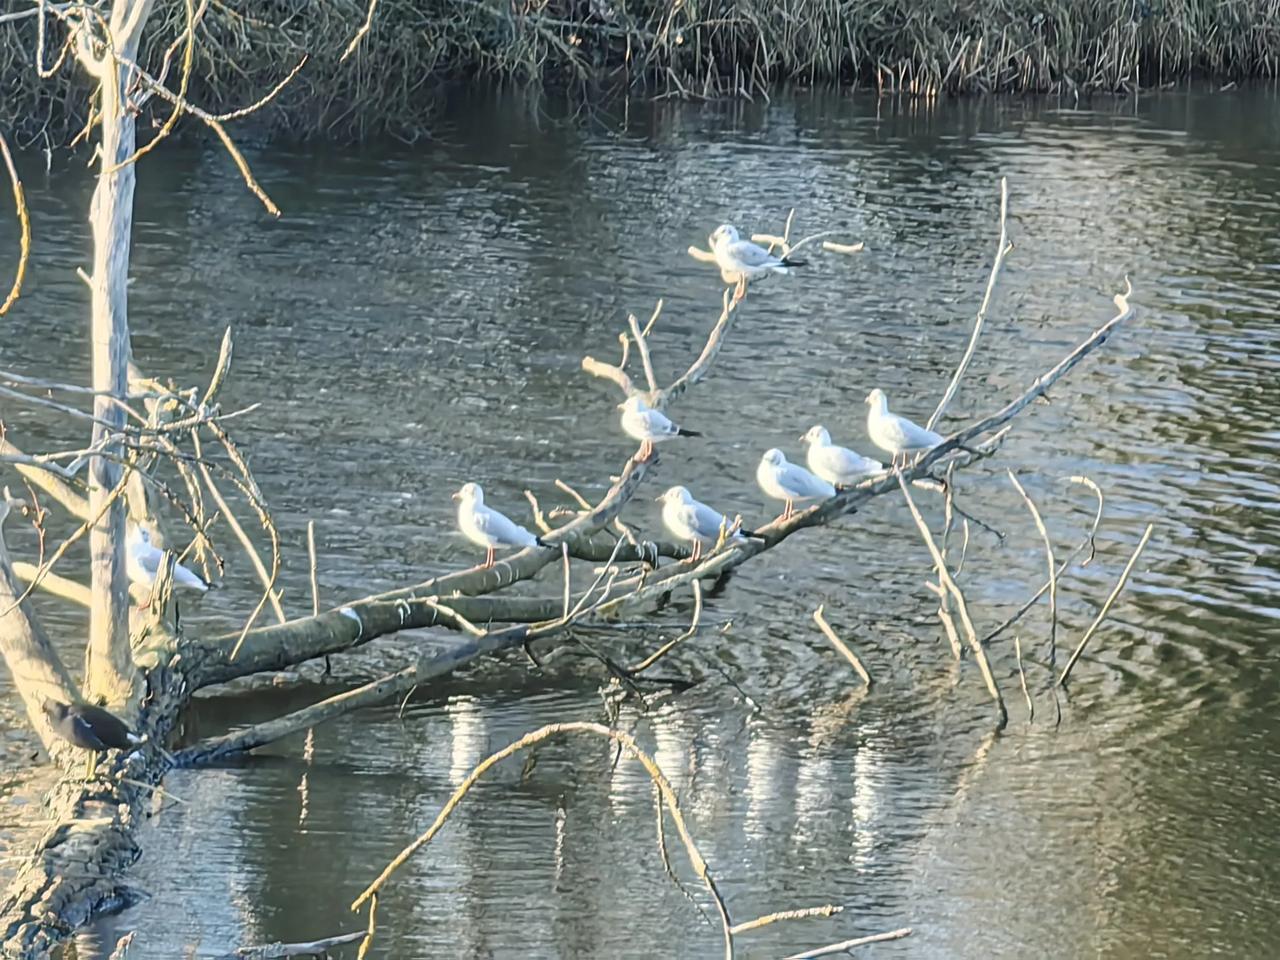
column 417, row 318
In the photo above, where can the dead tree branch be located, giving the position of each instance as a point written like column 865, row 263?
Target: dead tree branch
column 1062, row 568
column 24, row 225
column 962, row 606
column 826, row 910
column 1106, row 607
column 623, row 742
column 841, row 646
column 845, row 946
column 281, row 951
column 1002, row 247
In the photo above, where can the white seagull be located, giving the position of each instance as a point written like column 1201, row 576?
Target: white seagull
column 143, row 563
column 487, row 527
column 741, row 260
column 894, row 434
column 647, row 425
column 789, row 481
column 838, row 465
column 694, row 521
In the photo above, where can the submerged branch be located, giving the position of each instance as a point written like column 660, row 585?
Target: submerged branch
column 826, row 910
column 625, row 743
column 962, row 606
column 1106, row 607
column 841, row 646
column 845, row 946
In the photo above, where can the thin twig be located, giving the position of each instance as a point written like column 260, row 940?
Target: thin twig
column 1022, row 677
column 962, row 607
column 214, row 124
column 172, row 120
column 1053, row 568
column 1002, row 248
column 845, row 945
column 311, row 554
column 579, row 498
column 24, row 225
column 1087, row 542
column 1097, row 621
column 826, row 910
column 840, row 645
column 642, row 346
column 648, row 327
column 670, row 645
column 360, row 34
column 624, row 742
column 568, row 578
column 267, row 97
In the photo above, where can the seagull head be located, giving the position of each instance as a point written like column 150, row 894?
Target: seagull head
column 470, row 493
column 877, row 399
column 774, row 457
column 674, row 493
column 816, row 434
column 634, row 404
column 725, row 233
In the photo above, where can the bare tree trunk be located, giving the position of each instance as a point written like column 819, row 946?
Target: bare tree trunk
column 109, row 669
column 33, row 663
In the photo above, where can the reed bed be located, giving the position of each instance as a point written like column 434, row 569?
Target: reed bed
column 687, row 48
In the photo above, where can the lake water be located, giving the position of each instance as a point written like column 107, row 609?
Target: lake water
column 416, row 319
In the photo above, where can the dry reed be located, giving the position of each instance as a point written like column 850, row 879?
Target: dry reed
column 724, row 47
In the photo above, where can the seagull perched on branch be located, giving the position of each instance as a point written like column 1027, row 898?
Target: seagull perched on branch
column 894, row 434
column 487, row 527
column 694, row 521
column 144, row 563
column 789, row 481
column 741, row 260
column 838, row 465
column 647, row 425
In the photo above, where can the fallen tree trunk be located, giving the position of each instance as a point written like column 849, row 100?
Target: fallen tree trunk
column 74, row 873
column 360, row 622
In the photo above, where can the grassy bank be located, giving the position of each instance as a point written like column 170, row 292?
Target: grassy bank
column 671, row 47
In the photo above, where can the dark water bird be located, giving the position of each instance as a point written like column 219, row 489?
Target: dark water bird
column 90, row 728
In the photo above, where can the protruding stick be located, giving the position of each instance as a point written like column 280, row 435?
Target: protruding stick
column 1002, row 248
column 840, row 645
column 1106, row 607
column 845, row 945
column 962, row 607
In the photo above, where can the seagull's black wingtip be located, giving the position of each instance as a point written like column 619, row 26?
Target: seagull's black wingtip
column 789, row 262
column 542, row 543
column 687, row 433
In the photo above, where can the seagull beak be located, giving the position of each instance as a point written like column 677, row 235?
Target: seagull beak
column 457, row 496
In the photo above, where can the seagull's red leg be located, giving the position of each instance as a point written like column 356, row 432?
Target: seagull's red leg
column 489, row 554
